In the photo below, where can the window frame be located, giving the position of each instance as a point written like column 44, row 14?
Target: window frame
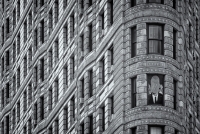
column 133, row 92
column 133, row 42
column 162, row 41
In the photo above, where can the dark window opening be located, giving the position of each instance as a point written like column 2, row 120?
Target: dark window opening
column 175, row 92
column 90, row 38
column 91, row 124
column 111, row 55
column 82, row 128
column 133, row 41
column 174, row 43
column 197, row 30
column 111, row 12
column 103, row 118
column 133, row 3
column 133, row 130
column 112, row 104
column 90, row 83
column 174, row 4
column 42, row 107
column 42, row 31
column 50, row 99
column 102, row 21
column 133, row 92
column 90, row 3
column 103, row 70
column 82, row 88
column 7, row 58
column 42, row 70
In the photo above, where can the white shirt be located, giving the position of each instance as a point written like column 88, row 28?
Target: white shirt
column 155, row 97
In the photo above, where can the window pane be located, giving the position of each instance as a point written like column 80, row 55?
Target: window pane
column 155, row 32
column 154, row 1
column 155, row 46
column 156, row 130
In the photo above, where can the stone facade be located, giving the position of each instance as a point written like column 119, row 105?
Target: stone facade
column 87, row 66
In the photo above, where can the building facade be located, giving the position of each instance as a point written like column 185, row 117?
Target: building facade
column 99, row 67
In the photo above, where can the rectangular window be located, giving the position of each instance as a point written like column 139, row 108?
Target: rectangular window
column 197, row 30
column 18, row 77
column 190, row 81
column 18, row 111
column 90, row 3
column 42, row 3
column 36, row 74
column 42, row 107
column 2, row 34
column 73, row 67
column 82, row 42
column 42, row 69
column 66, row 117
column 29, row 94
column 82, row 128
column 7, row 124
column 29, row 126
column 111, row 55
column 190, row 36
column 56, row 90
column 103, row 118
column 90, row 38
column 66, row 75
column 25, row 32
column 14, row 19
column 133, row 41
column 174, row 43
column 156, row 1
column 73, row 107
column 174, row 4
column 91, row 124
column 65, row 40
column 56, row 127
column 56, row 11
column 30, row 21
column 2, row 96
column 111, row 12
column 102, row 21
column 50, row 99
column 14, row 52
column 36, row 39
column 133, row 130
column 133, row 92
column 7, row 58
column 18, row 10
column 175, row 92
column 42, row 32
column 2, row 129
column 133, row 3
column 25, row 101
column 102, row 70
column 18, row 44
column 155, row 95
column 25, row 129
column 2, row 64
column 50, row 60
column 7, row 92
column 82, row 88
column 35, row 114
column 197, row 68
column 90, row 83
column 25, row 2
column 7, row 27
column 112, row 104
column 50, row 130
column 155, row 39
column 156, row 130
column 50, row 21
column 25, row 66
column 14, row 116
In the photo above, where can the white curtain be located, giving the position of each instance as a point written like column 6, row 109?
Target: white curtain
column 155, row 38
column 155, row 130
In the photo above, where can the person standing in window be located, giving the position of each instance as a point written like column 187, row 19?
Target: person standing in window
column 156, row 94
